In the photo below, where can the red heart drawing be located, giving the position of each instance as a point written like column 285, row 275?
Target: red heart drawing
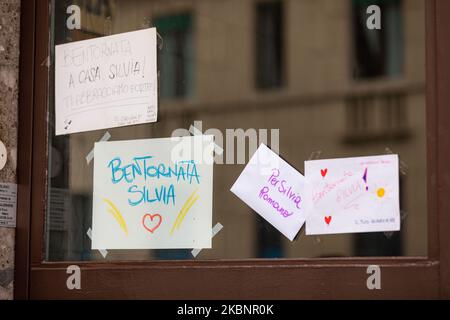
column 323, row 172
column 153, row 225
column 328, row 220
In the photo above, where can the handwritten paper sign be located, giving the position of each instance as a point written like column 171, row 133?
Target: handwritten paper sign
column 8, row 204
column 106, row 82
column 152, row 194
column 353, row 195
column 274, row 189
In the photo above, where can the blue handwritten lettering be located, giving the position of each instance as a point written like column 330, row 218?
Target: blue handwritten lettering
column 149, row 195
column 141, row 167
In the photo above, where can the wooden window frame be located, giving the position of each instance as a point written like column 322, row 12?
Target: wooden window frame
column 321, row 278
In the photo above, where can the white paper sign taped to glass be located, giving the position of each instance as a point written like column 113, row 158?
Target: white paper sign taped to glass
column 8, row 204
column 153, row 193
column 274, row 189
column 353, row 195
column 106, row 82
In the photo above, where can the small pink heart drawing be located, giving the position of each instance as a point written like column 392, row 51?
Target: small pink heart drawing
column 328, row 220
column 152, row 223
column 323, row 172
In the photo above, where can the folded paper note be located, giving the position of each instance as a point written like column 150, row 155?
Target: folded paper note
column 274, row 189
column 352, row 195
column 153, row 194
column 106, row 82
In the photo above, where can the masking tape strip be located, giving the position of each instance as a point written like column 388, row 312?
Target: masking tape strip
column 402, row 166
column 195, row 132
column 161, row 42
column 315, row 155
column 103, row 252
column 46, row 62
column 90, row 155
column 215, row 231
column 403, row 215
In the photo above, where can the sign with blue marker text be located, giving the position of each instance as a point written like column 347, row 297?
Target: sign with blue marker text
column 153, row 193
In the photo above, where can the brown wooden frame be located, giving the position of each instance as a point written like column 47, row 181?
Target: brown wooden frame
column 421, row 277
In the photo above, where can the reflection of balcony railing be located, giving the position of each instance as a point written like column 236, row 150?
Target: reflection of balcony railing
column 377, row 116
column 285, row 99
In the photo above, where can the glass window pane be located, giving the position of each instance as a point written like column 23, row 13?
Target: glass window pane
column 306, row 76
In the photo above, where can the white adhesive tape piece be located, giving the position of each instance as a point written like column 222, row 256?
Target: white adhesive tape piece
column 403, row 167
column 90, row 155
column 315, row 155
column 215, row 231
column 195, row 132
column 103, row 252
column 3, row 155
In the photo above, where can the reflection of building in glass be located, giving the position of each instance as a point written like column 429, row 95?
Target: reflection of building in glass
column 378, row 54
column 269, row 44
column 176, row 59
column 306, row 67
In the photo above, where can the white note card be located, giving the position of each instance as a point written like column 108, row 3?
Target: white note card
column 106, row 82
column 8, row 204
column 274, row 189
column 352, row 195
